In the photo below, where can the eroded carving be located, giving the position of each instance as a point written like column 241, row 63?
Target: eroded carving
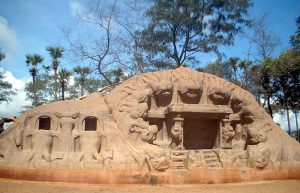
column 159, row 122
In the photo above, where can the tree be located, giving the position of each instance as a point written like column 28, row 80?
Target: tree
column 127, row 50
column 93, row 84
column 5, row 87
column 238, row 71
column 64, row 77
column 232, row 66
column 32, row 62
column 295, row 43
column 216, row 68
column 287, row 78
column 287, row 81
column 263, row 39
column 295, row 38
column 181, row 29
column 117, row 75
column 264, row 42
column 91, row 47
column 266, row 81
column 37, row 92
column 56, row 53
column 83, row 72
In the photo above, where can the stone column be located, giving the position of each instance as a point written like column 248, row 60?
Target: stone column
column 67, row 125
column 177, row 132
column 226, row 134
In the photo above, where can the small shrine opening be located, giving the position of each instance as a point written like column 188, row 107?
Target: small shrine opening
column 44, row 123
column 200, row 133
column 90, row 124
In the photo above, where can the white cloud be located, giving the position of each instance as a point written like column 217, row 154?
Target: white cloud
column 15, row 106
column 76, row 8
column 8, row 37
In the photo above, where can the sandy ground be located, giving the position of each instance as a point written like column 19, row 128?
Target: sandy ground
column 13, row 186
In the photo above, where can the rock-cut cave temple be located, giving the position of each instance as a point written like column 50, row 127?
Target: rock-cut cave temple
column 175, row 126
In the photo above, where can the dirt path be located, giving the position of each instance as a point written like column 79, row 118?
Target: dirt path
column 14, row 186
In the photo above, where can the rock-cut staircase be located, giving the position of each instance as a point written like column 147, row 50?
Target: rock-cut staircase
column 211, row 159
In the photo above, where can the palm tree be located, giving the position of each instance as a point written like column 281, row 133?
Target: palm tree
column 64, row 77
column 82, row 72
column 56, row 53
column 32, row 62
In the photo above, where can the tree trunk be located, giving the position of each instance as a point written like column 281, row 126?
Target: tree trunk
column 34, row 91
column 269, row 107
column 235, row 75
column 178, row 64
column 81, row 88
column 55, row 84
column 288, row 119
column 297, row 128
column 63, row 90
column 103, row 74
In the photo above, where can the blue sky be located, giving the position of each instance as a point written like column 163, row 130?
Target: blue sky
column 29, row 26
column 35, row 24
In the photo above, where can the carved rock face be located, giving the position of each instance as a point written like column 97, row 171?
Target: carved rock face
column 256, row 138
column 257, row 133
column 144, row 96
column 236, row 103
column 251, row 114
column 219, row 96
column 90, row 143
column 162, row 89
column 263, row 160
column 176, row 132
column 159, row 162
column 149, row 135
column 189, row 91
column 170, row 121
column 228, row 133
column 41, row 141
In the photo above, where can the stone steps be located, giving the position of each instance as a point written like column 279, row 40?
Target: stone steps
column 179, row 160
column 211, row 159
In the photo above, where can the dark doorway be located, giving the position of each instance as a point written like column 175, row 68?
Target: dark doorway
column 200, row 133
column 44, row 123
column 90, row 124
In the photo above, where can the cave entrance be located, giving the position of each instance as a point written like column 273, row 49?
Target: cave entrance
column 44, row 123
column 90, row 124
column 200, row 133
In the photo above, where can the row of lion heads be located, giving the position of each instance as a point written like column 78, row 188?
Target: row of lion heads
column 157, row 89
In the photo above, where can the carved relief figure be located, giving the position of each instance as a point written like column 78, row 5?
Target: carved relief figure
column 257, row 132
column 39, row 140
column 10, row 142
column 263, row 159
column 92, row 149
column 158, row 162
column 228, row 134
column 176, row 135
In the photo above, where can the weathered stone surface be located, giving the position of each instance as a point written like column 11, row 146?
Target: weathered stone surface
column 176, row 126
